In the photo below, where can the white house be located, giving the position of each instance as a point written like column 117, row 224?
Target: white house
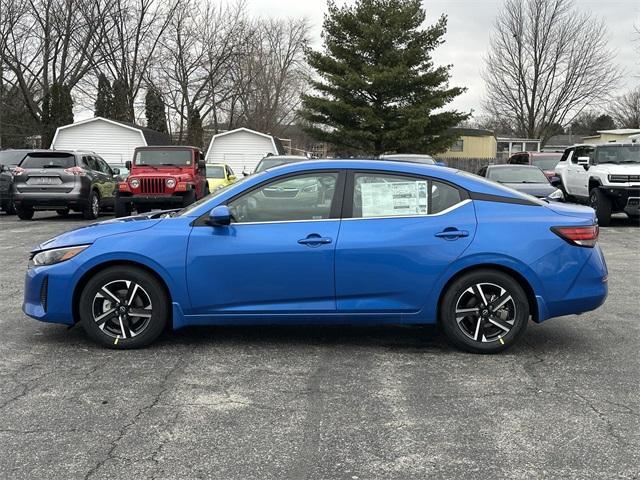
column 242, row 148
column 112, row 140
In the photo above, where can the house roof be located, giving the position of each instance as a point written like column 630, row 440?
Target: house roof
column 277, row 144
column 621, row 131
column 151, row 137
column 470, row 132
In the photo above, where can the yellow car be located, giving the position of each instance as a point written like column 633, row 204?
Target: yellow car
column 219, row 175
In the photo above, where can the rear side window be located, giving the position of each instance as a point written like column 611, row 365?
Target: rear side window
column 388, row 195
column 48, row 160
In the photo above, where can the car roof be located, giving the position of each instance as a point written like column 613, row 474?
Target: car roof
column 510, row 165
column 405, row 155
column 298, row 158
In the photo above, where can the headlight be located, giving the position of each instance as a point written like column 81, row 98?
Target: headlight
column 171, row 182
column 56, row 255
column 557, row 195
column 134, row 182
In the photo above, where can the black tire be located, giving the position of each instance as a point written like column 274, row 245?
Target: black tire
column 122, row 208
column 24, row 213
column 108, row 331
column 206, row 189
column 9, row 208
column 142, row 209
column 92, row 210
column 602, row 205
column 490, row 330
column 63, row 212
column 188, row 198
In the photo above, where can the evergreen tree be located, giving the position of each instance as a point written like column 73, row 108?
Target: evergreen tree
column 378, row 87
column 120, row 108
column 195, row 133
column 155, row 110
column 57, row 110
column 104, row 99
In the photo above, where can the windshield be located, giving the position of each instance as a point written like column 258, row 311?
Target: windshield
column 266, row 163
column 48, row 160
column 507, row 190
column 548, row 162
column 11, row 157
column 214, row 171
column 171, row 156
column 618, row 154
column 187, row 210
column 516, row 174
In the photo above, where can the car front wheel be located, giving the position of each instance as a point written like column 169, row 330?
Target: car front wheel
column 92, row 209
column 485, row 311
column 602, row 205
column 123, row 307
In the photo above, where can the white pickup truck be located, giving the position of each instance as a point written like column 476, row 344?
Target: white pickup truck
column 605, row 176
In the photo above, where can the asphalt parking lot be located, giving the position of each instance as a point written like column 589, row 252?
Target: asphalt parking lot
column 318, row 402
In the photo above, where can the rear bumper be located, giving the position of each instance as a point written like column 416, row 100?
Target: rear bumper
column 76, row 199
column 588, row 291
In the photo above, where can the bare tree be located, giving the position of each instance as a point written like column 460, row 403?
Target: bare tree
column 547, row 61
column 128, row 52
column 626, row 109
column 49, row 41
column 274, row 74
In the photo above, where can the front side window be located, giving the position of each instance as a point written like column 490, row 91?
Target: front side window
column 385, row 195
column 299, row 198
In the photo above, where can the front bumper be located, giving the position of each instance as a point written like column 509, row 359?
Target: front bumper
column 626, row 199
column 48, row 293
column 153, row 200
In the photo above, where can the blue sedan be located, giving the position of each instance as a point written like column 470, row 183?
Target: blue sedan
column 332, row 242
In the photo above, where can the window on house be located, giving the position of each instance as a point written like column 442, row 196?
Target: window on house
column 458, row 146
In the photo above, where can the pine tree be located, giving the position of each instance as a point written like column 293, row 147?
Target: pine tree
column 120, row 110
column 378, row 87
column 57, row 110
column 104, row 99
column 195, row 133
column 154, row 108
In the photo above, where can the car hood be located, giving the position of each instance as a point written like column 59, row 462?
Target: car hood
column 622, row 169
column 90, row 233
column 540, row 190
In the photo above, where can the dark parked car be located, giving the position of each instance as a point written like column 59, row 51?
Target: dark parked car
column 276, row 160
column 545, row 161
column 9, row 159
column 63, row 181
column 524, row 178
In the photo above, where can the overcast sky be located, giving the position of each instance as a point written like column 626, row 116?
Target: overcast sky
column 467, row 38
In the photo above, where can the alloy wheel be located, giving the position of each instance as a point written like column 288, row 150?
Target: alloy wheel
column 485, row 312
column 122, row 309
column 95, row 206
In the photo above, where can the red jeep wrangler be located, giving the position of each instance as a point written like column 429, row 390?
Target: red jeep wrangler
column 162, row 177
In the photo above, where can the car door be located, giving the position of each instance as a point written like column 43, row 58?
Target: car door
column 277, row 255
column 108, row 182
column 578, row 177
column 397, row 237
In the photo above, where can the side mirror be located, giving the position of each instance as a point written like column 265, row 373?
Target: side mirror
column 584, row 161
column 232, row 178
column 116, row 171
column 127, row 164
column 219, row 216
column 202, row 164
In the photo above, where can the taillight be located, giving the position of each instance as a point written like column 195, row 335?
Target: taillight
column 18, row 170
column 77, row 171
column 580, row 236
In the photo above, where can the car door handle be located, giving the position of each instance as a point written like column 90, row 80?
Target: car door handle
column 452, row 234
column 314, row 240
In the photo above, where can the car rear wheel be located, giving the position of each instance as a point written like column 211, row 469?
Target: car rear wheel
column 602, row 205
column 485, row 311
column 24, row 213
column 10, row 208
column 123, row 307
column 92, row 210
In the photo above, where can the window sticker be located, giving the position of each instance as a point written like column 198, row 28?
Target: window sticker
column 394, row 198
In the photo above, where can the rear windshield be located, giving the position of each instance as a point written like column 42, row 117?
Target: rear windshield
column 516, row 174
column 11, row 157
column 266, row 163
column 48, row 160
column 164, row 157
column 215, row 171
column 546, row 162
